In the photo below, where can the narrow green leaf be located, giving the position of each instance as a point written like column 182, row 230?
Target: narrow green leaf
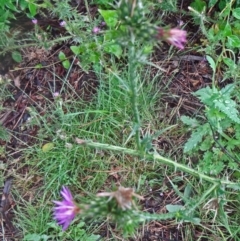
column 32, row 8
column 17, row 56
column 173, row 208
column 187, row 191
column 34, row 236
column 211, row 62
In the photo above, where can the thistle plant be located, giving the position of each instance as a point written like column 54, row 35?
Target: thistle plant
column 139, row 29
column 119, row 205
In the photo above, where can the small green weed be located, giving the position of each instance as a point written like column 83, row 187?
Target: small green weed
column 221, row 33
column 216, row 135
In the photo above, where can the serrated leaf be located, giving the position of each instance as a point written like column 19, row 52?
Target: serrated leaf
column 228, row 107
column 189, row 121
column 211, row 62
column 204, row 94
column 206, row 144
column 236, row 13
column 232, row 143
column 196, row 137
column 228, row 89
column 174, row 208
column 17, row 56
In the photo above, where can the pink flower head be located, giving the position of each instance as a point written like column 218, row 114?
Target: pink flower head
column 174, row 36
column 56, row 94
column 34, row 21
column 65, row 210
column 62, row 23
column 96, row 30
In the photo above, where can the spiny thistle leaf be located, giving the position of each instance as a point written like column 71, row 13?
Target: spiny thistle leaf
column 189, row 121
column 196, row 137
column 227, row 106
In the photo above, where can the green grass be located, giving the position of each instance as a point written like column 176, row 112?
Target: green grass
column 106, row 118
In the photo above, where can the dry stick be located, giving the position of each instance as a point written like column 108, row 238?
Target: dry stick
column 156, row 157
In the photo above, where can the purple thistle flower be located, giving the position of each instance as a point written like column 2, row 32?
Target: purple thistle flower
column 96, row 30
column 174, row 36
column 34, row 21
column 56, row 94
column 65, row 210
column 62, row 23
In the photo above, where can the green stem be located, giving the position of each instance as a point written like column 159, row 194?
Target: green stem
column 158, row 158
column 132, row 76
column 88, row 11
